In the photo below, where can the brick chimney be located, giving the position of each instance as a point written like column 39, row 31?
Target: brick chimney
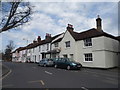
column 38, row 39
column 48, row 36
column 70, row 27
column 99, row 23
column 34, row 41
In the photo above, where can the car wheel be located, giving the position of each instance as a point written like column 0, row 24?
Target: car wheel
column 68, row 67
column 44, row 65
column 55, row 66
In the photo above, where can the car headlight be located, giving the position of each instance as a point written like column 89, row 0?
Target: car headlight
column 73, row 64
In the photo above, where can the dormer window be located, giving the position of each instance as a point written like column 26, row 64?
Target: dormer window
column 67, row 44
column 88, row 42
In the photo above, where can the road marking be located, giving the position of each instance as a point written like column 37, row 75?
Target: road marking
column 84, row 88
column 34, row 81
column 6, row 74
column 42, row 82
column 48, row 72
column 37, row 81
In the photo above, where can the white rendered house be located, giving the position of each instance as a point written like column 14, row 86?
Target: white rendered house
column 92, row 48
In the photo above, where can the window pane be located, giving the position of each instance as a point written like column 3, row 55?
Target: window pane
column 88, row 57
column 88, row 42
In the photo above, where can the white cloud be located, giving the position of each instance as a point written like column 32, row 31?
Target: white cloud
column 54, row 17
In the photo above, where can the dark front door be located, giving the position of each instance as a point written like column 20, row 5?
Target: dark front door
column 43, row 55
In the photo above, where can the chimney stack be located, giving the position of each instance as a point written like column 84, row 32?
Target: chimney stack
column 99, row 23
column 34, row 41
column 39, row 39
column 70, row 27
column 48, row 36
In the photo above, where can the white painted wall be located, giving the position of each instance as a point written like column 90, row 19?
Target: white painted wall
column 101, row 57
column 68, row 50
column 111, row 52
column 98, row 56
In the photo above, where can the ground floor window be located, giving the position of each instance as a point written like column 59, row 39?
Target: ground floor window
column 88, row 57
column 65, row 56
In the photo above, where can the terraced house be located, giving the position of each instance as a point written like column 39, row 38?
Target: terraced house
column 92, row 48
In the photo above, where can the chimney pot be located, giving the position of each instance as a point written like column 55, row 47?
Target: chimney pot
column 47, row 36
column 39, row 39
column 70, row 27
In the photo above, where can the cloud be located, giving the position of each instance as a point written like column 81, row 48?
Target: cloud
column 53, row 17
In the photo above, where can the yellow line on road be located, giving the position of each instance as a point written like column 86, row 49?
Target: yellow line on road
column 6, row 74
column 37, row 81
column 34, row 81
column 42, row 82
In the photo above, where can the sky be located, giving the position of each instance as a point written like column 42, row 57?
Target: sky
column 53, row 17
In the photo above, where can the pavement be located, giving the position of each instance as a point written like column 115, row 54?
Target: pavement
column 30, row 75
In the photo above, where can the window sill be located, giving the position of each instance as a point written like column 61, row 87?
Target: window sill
column 67, row 47
column 88, row 61
column 85, row 47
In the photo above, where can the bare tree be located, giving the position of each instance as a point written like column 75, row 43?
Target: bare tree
column 8, row 50
column 14, row 14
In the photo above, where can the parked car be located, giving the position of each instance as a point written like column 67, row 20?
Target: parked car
column 46, row 62
column 67, row 63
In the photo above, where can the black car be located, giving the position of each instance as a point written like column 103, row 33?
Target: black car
column 46, row 62
column 66, row 63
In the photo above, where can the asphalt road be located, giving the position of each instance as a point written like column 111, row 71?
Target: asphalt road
column 29, row 75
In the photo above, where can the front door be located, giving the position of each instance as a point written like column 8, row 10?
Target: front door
column 43, row 55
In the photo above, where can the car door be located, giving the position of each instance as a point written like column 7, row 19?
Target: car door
column 62, row 63
column 65, row 63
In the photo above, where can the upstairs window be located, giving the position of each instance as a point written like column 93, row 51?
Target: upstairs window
column 47, row 46
column 88, row 42
column 33, row 49
column 88, row 57
column 67, row 44
column 56, row 44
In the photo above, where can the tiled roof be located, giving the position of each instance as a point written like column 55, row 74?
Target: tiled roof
column 89, row 34
column 118, row 38
column 48, row 40
column 19, row 49
column 58, row 40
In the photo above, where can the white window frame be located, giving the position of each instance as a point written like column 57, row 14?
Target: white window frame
column 91, row 57
column 67, row 46
column 88, row 42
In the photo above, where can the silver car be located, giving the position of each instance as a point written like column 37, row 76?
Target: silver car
column 46, row 62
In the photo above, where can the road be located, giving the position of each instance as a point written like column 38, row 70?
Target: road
column 29, row 75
